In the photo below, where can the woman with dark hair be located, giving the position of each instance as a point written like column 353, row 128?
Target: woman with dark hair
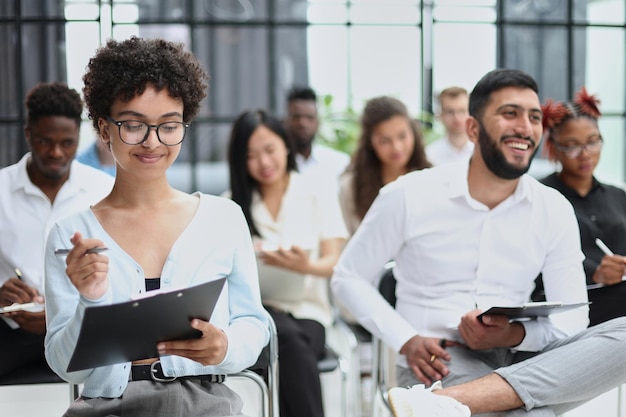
column 298, row 233
column 390, row 145
column 573, row 139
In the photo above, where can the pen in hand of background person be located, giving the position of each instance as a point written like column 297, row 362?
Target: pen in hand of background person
column 612, row 267
column 16, row 291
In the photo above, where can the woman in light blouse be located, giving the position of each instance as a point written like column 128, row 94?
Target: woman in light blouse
column 298, row 232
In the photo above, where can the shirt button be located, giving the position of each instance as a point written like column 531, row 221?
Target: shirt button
column 593, row 217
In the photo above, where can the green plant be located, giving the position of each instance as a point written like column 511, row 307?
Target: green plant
column 340, row 129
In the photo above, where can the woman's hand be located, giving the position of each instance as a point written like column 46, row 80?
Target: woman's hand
column 610, row 270
column 87, row 271
column 209, row 349
column 294, row 258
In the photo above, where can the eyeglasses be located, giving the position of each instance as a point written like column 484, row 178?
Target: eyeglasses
column 134, row 132
column 574, row 151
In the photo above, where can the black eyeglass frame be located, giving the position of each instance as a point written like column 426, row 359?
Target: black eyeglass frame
column 579, row 148
column 119, row 124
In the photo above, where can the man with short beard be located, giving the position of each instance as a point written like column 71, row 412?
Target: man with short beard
column 44, row 185
column 468, row 236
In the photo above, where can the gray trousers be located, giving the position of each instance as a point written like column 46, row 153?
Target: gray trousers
column 564, row 375
column 180, row 398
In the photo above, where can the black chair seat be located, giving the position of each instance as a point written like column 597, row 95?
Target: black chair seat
column 36, row 373
column 329, row 362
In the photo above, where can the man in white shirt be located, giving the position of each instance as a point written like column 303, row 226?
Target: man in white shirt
column 302, row 124
column 471, row 235
column 455, row 146
column 43, row 186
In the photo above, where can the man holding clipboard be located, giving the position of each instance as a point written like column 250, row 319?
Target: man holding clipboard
column 469, row 236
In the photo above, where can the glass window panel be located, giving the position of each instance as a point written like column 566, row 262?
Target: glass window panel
column 293, row 47
column 604, row 66
column 232, row 10
column 327, row 13
column 535, row 11
column 12, row 145
column 328, row 64
column 465, row 13
column 389, row 13
column 463, row 3
column 542, row 52
column 7, row 10
column 82, row 42
column 238, row 62
column 9, row 73
column 43, row 57
column 82, row 10
column 600, row 11
column 311, row 11
column 171, row 32
column 378, row 69
column 208, row 172
column 42, row 8
column 456, row 60
column 121, row 31
column 125, row 11
column 611, row 166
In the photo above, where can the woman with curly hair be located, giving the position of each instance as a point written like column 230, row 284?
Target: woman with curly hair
column 391, row 144
column 142, row 95
column 573, row 139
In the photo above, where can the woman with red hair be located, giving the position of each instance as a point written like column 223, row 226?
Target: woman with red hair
column 573, row 139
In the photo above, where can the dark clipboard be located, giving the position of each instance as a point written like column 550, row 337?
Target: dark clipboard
column 531, row 310
column 130, row 330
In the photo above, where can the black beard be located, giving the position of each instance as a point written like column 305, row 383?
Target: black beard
column 494, row 157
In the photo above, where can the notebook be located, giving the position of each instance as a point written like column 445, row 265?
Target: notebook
column 130, row 330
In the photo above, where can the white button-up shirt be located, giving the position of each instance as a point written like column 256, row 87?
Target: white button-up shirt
column 26, row 216
column 453, row 254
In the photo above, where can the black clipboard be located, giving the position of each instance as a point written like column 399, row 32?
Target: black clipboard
column 531, row 311
column 130, row 330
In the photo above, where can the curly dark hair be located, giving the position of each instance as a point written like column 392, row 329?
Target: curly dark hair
column 53, row 99
column 365, row 164
column 123, row 69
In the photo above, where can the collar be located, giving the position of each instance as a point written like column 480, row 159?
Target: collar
column 458, row 185
column 23, row 182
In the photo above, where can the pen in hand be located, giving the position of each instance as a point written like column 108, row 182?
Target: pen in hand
column 442, row 344
column 605, row 249
column 608, row 252
column 18, row 274
column 97, row 249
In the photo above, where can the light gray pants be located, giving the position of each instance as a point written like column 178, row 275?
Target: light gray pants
column 180, row 398
column 564, row 375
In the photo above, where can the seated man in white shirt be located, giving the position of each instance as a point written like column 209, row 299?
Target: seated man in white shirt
column 467, row 236
column 46, row 184
column 302, row 124
column 455, row 146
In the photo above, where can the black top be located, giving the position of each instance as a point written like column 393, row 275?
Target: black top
column 600, row 214
column 153, row 284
